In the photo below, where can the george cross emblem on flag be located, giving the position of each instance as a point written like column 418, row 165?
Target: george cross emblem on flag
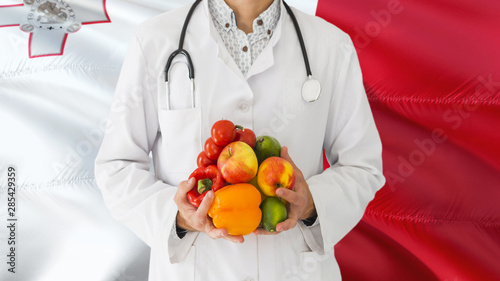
column 50, row 21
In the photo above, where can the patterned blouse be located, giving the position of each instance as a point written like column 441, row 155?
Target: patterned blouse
column 244, row 48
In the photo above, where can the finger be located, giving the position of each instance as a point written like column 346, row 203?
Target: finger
column 216, row 233
column 291, row 196
column 235, row 239
column 262, row 231
column 286, row 225
column 205, row 204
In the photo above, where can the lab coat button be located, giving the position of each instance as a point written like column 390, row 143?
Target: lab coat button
column 243, row 107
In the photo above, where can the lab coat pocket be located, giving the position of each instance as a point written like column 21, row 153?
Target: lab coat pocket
column 181, row 140
column 310, row 265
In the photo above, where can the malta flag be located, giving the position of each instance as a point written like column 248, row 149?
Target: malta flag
column 432, row 75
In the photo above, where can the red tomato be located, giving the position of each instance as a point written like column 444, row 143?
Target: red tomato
column 204, row 161
column 223, row 132
column 212, row 150
column 247, row 136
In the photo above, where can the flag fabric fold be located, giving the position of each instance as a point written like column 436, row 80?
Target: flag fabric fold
column 431, row 74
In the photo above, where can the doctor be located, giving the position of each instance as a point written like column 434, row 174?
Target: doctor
column 249, row 69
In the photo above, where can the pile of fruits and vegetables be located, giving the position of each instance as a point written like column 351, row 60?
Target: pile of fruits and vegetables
column 244, row 172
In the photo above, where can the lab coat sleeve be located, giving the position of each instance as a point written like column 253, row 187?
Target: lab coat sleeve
column 352, row 145
column 132, row 193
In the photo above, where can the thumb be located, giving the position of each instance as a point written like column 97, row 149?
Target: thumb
column 186, row 186
column 284, row 154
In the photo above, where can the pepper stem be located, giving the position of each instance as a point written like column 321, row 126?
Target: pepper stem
column 204, row 185
column 239, row 127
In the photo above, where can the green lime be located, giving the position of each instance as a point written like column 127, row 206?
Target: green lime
column 254, row 183
column 273, row 212
column 265, row 147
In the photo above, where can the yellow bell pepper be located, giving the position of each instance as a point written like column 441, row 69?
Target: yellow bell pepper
column 236, row 208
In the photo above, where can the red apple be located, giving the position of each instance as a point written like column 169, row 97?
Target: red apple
column 275, row 172
column 237, row 163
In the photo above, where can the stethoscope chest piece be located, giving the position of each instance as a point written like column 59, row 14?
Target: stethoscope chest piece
column 311, row 89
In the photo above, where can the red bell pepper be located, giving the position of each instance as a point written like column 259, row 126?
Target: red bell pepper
column 207, row 178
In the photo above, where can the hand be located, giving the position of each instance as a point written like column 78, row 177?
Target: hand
column 300, row 201
column 193, row 219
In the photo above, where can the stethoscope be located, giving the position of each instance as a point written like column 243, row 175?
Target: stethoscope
column 311, row 89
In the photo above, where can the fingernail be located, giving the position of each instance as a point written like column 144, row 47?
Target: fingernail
column 279, row 192
column 210, row 194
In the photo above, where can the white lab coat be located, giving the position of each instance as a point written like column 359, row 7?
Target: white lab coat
column 269, row 101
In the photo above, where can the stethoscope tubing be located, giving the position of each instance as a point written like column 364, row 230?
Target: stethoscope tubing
column 301, row 39
column 311, row 83
column 181, row 50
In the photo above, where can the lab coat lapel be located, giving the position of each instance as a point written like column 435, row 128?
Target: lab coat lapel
column 266, row 58
column 264, row 61
column 222, row 52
